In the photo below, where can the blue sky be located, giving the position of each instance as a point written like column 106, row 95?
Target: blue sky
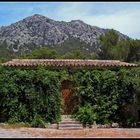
column 121, row 16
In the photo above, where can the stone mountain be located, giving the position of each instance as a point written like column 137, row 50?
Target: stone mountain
column 40, row 30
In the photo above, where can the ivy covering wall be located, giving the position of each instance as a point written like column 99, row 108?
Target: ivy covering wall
column 104, row 96
column 29, row 96
column 34, row 95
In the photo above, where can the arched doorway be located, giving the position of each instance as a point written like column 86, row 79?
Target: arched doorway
column 69, row 100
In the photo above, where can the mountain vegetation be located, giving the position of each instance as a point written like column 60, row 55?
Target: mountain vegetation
column 111, row 48
column 33, row 33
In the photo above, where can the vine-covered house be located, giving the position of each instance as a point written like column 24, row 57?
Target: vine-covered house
column 90, row 90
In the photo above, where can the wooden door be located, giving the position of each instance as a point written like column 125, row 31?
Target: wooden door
column 68, row 98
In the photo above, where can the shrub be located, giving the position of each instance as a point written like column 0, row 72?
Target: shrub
column 25, row 93
column 87, row 115
column 110, row 91
column 33, row 95
column 38, row 121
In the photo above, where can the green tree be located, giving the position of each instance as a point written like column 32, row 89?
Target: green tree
column 120, row 51
column 77, row 54
column 134, row 51
column 107, row 43
column 42, row 53
column 114, row 48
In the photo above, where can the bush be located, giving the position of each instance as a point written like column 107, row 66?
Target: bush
column 87, row 115
column 33, row 95
column 110, row 91
column 38, row 121
column 25, row 93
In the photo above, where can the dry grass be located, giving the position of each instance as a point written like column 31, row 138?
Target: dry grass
column 14, row 126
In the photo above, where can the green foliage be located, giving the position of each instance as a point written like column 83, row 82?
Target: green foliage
column 48, row 51
column 86, row 114
column 69, row 49
column 107, row 43
column 110, row 46
column 136, row 73
column 38, row 121
column 108, row 92
column 74, row 55
column 42, row 53
column 120, row 51
column 72, row 44
column 134, row 51
column 113, row 48
column 26, row 93
column 33, row 95
column 6, row 52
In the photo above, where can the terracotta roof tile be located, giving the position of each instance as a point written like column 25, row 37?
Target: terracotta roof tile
column 67, row 63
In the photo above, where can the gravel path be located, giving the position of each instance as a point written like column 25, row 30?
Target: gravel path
column 16, row 133
column 83, row 133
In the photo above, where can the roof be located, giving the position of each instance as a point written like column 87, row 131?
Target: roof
column 67, row 63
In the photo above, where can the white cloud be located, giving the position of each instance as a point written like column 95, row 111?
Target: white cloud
column 70, row 11
column 126, row 21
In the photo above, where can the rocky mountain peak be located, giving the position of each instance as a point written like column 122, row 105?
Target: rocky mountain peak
column 77, row 21
column 36, row 17
column 41, row 30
